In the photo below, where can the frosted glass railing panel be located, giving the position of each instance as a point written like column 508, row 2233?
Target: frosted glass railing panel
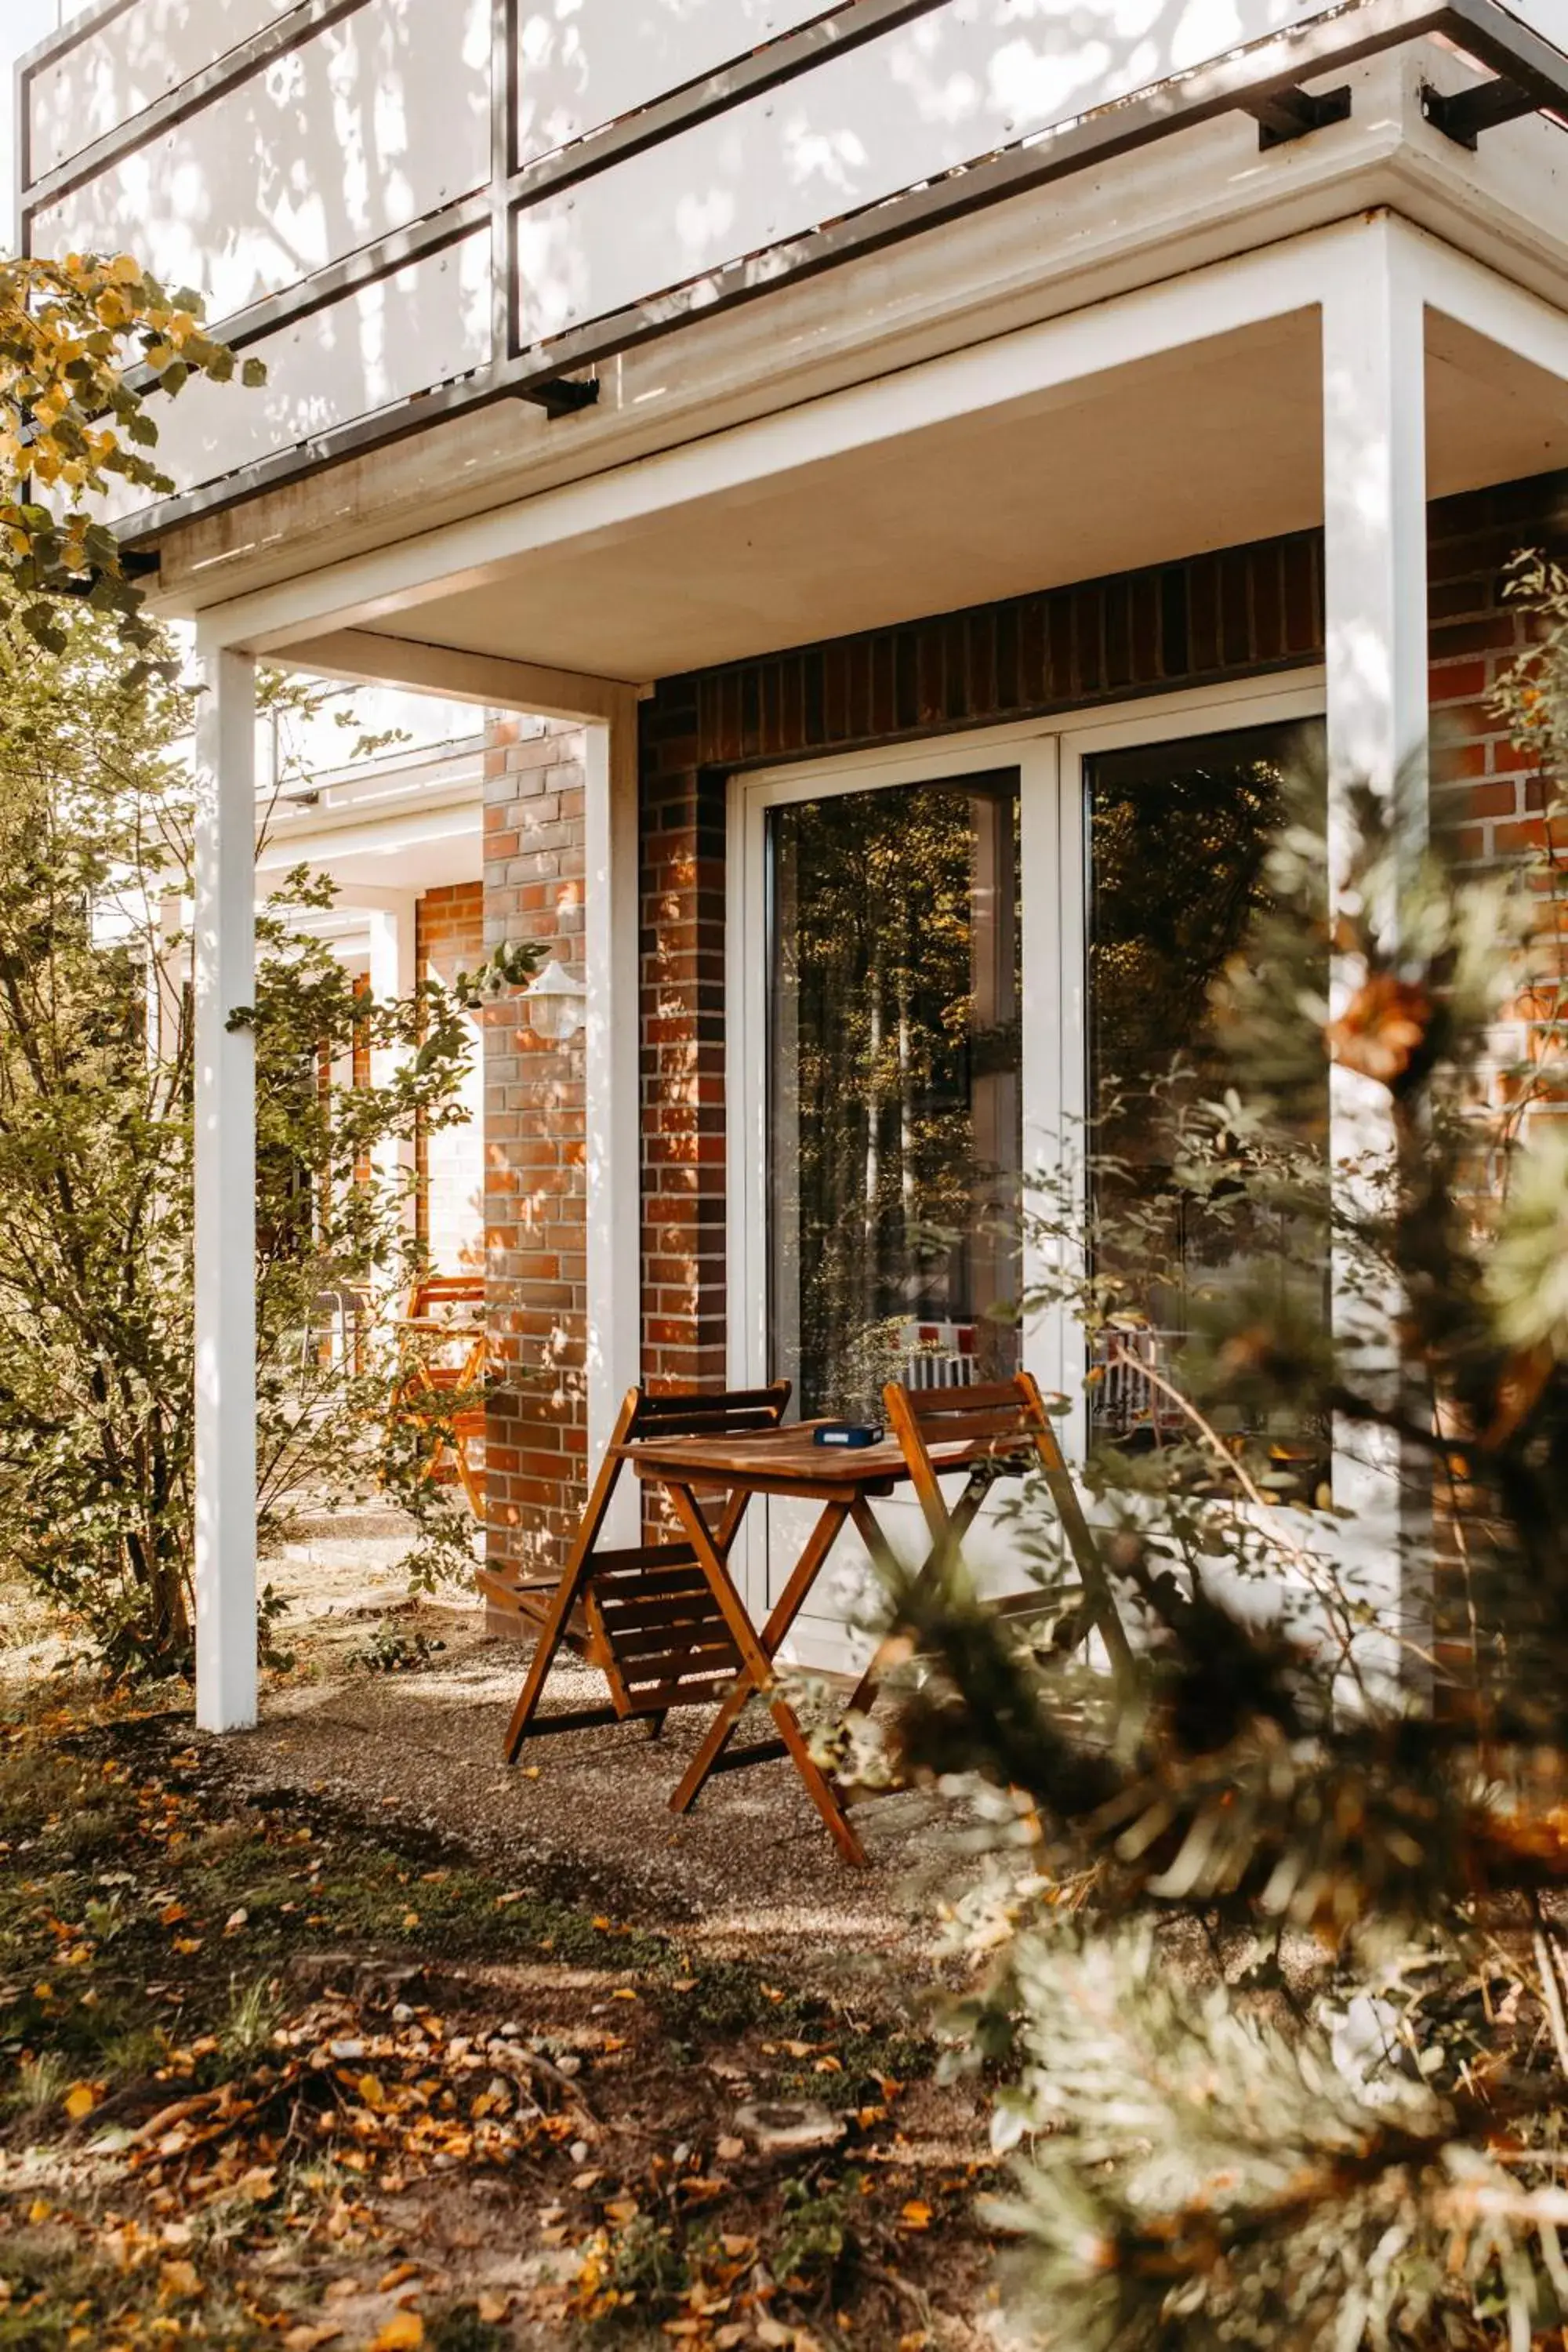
column 1547, row 17
column 368, row 126
column 581, row 63
column 941, row 91
column 113, row 74
column 369, row 350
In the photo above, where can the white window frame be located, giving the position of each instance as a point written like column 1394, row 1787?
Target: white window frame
column 1049, row 755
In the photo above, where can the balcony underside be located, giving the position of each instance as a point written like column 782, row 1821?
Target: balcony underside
column 1210, row 446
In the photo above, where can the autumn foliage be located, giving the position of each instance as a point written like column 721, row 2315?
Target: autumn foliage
column 90, row 349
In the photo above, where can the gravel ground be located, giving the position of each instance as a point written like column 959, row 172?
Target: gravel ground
column 750, row 1872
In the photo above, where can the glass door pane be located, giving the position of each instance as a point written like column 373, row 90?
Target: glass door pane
column 894, row 1106
column 1179, row 834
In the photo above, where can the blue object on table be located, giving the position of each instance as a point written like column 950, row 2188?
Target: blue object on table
column 848, row 1433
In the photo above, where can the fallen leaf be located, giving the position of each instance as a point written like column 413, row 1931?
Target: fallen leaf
column 622, row 2210
column 306, row 2338
column 186, row 1945
column 179, row 2279
column 171, row 1915
column 79, row 2101
column 730, row 2151
column 404, row 2332
column 623, row 1992
column 493, row 2308
column 341, row 2289
column 683, row 1984
column 236, row 1921
column 914, row 2215
column 828, row 2065
column 398, row 2275
column 371, row 2091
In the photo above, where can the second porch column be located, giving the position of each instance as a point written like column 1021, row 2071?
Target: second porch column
column 392, row 976
column 614, row 1142
column 225, row 1195
column 1374, row 518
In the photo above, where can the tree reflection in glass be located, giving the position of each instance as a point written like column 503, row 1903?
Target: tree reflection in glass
column 893, row 1097
column 1179, row 836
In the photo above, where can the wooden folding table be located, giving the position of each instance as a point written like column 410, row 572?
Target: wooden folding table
column 845, row 1481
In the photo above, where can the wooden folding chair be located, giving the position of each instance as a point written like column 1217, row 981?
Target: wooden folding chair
column 1009, row 1419
column 650, row 1622
column 424, row 1392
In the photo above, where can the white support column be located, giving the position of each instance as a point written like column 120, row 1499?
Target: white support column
column 393, row 966
column 1374, row 513
column 614, row 1146
column 225, row 1195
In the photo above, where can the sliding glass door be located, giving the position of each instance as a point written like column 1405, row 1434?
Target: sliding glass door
column 1178, row 836
column 893, row 1089
column 948, row 967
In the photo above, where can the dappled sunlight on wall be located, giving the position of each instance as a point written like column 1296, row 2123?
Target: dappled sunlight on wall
column 370, row 124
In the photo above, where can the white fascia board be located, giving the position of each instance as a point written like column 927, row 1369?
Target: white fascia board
column 295, row 844
column 495, row 683
column 1507, row 315
column 1194, row 309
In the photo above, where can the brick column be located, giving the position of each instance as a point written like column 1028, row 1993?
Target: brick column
column 535, row 1254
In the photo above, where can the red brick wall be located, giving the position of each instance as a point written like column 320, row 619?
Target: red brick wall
column 449, row 937
column 1485, row 797
column 534, row 1135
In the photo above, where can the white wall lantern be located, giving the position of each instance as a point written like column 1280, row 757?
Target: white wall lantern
column 557, row 1003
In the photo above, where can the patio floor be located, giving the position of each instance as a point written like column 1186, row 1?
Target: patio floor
column 750, row 1872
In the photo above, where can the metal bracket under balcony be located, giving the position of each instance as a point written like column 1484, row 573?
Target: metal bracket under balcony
column 1462, row 115
column 565, row 396
column 1285, row 114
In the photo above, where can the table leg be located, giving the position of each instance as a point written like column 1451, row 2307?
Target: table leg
column 757, row 1674
column 721, row 1730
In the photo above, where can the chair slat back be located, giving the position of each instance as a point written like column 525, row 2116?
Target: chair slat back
column 1009, row 1420
column 705, row 1413
column 437, row 1290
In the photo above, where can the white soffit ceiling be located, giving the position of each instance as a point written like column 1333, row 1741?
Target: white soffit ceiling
column 1193, row 450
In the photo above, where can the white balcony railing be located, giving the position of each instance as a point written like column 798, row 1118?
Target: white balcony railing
column 409, row 207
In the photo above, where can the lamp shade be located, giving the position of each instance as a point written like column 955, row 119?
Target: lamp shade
column 555, row 1003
